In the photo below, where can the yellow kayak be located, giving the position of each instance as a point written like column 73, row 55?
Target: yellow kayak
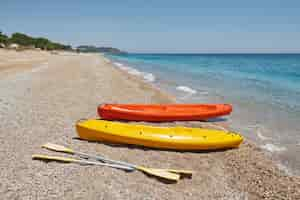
column 177, row 138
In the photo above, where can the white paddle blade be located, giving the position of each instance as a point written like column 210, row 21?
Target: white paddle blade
column 56, row 147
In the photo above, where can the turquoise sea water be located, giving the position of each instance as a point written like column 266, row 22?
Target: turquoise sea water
column 263, row 88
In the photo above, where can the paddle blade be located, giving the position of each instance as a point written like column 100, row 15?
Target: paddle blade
column 160, row 173
column 53, row 158
column 180, row 171
column 56, row 147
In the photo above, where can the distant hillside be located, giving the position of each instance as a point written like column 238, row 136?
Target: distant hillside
column 88, row 48
column 27, row 41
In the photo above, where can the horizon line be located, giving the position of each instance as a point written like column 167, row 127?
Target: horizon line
column 132, row 52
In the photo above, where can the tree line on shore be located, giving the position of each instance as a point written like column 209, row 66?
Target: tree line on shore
column 94, row 49
column 28, row 41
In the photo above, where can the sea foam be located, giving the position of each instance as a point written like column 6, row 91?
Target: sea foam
column 118, row 64
column 186, row 89
column 273, row 148
column 261, row 136
column 149, row 77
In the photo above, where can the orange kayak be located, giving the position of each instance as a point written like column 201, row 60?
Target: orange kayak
column 163, row 112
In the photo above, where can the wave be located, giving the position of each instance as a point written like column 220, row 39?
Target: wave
column 106, row 60
column 118, row 64
column 273, row 148
column 261, row 136
column 259, row 129
column 285, row 169
column 149, row 77
column 186, row 89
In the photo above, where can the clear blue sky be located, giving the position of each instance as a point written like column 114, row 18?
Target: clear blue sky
column 160, row 25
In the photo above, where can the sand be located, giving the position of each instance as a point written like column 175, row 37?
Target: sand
column 41, row 99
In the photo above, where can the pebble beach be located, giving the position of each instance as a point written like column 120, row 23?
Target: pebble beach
column 42, row 95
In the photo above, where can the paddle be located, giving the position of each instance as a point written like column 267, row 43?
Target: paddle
column 83, row 162
column 154, row 172
column 163, row 173
column 60, row 148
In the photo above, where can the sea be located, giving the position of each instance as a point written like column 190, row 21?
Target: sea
column 264, row 90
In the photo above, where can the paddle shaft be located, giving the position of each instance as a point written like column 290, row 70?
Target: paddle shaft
column 82, row 162
column 132, row 166
column 154, row 172
column 104, row 164
column 103, row 159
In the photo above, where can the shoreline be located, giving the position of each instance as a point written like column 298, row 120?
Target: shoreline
column 215, row 125
column 43, row 106
column 168, row 98
column 277, row 152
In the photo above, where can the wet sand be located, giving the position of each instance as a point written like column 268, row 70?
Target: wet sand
column 42, row 98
